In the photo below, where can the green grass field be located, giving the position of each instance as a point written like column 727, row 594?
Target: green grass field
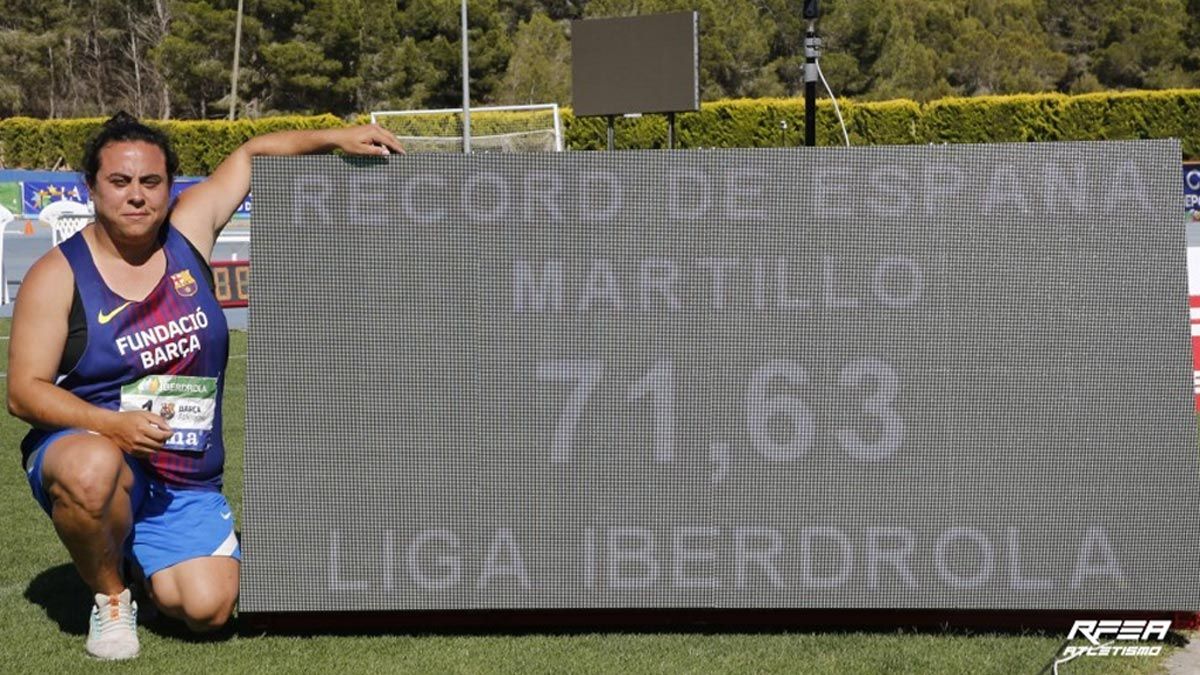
column 44, row 625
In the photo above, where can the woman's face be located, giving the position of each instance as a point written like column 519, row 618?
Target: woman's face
column 132, row 193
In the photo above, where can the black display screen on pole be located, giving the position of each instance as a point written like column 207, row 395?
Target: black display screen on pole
column 636, row 64
column 924, row 377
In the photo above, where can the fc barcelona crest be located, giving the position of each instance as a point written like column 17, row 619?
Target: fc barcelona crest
column 185, row 283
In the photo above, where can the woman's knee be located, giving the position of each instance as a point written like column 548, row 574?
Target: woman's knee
column 201, row 594
column 84, row 471
column 204, row 612
column 208, row 615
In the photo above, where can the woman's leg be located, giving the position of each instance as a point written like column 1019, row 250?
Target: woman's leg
column 89, row 485
column 201, row 591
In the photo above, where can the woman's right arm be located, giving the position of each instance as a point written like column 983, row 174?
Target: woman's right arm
column 35, row 347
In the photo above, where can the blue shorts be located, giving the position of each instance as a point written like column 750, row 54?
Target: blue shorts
column 170, row 524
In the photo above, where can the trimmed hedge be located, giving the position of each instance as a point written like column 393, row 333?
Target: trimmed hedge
column 741, row 123
column 202, row 145
column 450, row 124
column 754, row 123
column 58, row 144
column 984, row 119
column 1056, row 117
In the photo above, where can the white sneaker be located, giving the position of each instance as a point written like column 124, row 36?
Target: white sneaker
column 112, row 634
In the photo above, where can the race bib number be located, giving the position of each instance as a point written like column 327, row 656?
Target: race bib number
column 188, row 404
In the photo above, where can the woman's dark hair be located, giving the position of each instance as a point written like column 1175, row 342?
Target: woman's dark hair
column 125, row 127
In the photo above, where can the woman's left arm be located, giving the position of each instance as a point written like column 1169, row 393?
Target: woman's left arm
column 203, row 209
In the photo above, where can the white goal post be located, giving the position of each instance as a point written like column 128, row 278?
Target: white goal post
column 501, row 128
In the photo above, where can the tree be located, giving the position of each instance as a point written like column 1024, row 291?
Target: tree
column 540, row 68
column 906, row 68
column 490, row 46
column 398, row 77
column 904, row 47
column 300, row 77
column 1001, row 47
column 1142, row 45
column 1124, row 43
column 434, row 26
column 197, row 56
column 852, row 43
column 145, row 29
column 1192, row 60
column 61, row 58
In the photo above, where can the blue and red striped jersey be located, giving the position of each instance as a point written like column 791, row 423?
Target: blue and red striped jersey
column 168, row 352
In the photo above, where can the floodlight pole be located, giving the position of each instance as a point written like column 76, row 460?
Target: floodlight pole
column 812, row 46
column 237, row 52
column 466, row 85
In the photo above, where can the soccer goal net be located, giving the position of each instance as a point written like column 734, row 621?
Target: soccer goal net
column 506, row 128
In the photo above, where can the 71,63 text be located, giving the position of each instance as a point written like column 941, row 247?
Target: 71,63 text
column 761, row 407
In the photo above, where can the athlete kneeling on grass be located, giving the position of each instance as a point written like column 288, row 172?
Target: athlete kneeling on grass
column 117, row 358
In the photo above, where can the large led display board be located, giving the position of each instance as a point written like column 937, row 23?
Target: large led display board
column 922, row 377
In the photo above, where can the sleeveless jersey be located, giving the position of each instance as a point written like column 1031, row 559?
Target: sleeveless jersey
column 165, row 354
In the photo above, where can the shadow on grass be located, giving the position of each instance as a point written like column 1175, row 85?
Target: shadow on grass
column 166, row 627
column 62, row 595
column 66, row 600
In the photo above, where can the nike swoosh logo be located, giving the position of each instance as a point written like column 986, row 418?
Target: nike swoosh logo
column 105, row 318
column 226, row 516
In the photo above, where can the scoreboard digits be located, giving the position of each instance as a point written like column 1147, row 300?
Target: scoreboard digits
column 231, row 282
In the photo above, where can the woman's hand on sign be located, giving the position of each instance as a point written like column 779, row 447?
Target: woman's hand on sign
column 137, row 432
column 203, row 209
column 368, row 139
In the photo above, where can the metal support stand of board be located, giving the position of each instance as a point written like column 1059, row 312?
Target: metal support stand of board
column 611, row 133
